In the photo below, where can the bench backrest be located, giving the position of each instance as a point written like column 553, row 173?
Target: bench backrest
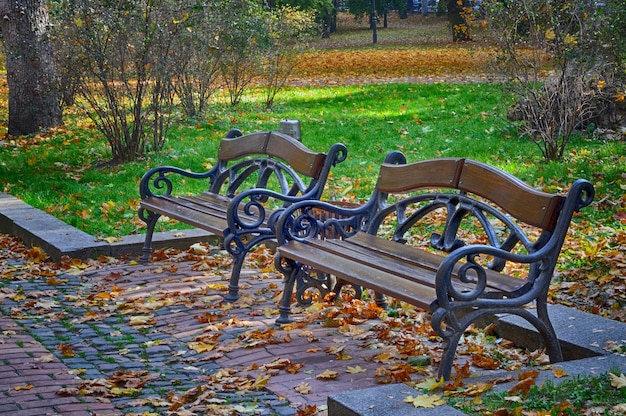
column 254, row 160
column 529, row 205
column 496, row 208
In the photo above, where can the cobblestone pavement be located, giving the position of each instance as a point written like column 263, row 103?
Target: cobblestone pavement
column 149, row 331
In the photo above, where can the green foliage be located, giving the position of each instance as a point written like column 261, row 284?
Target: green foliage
column 64, row 173
column 569, row 397
column 320, row 8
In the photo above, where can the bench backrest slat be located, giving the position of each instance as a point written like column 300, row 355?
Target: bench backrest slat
column 534, row 207
column 274, row 144
column 437, row 173
column 525, row 203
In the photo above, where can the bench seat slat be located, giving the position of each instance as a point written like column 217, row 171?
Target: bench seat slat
column 406, row 254
column 210, row 220
column 206, row 211
column 360, row 274
column 408, row 262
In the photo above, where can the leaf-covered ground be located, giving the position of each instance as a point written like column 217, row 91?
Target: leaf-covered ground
column 160, row 337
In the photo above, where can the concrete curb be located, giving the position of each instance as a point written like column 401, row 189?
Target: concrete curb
column 58, row 239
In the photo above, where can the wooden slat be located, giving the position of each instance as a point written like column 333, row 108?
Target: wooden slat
column 237, row 147
column 404, row 262
column 213, row 221
column 436, row 173
column 274, row 144
column 354, row 272
column 299, row 157
column 514, row 196
column 206, row 211
column 431, row 261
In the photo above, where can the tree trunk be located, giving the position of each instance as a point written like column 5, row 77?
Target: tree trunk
column 457, row 16
column 33, row 95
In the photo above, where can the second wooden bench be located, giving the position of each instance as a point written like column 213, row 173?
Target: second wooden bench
column 454, row 236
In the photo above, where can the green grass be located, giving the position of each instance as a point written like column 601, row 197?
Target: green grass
column 570, row 397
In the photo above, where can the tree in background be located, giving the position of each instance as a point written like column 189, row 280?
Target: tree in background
column 135, row 64
column 195, row 57
column 31, row 75
column 323, row 12
column 288, row 31
column 119, row 57
column 565, row 62
column 460, row 16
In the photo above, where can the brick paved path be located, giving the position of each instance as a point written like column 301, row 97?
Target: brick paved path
column 30, row 378
column 137, row 318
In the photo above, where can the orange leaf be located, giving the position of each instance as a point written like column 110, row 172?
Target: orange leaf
column 66, row 350
column 522, row 386
column 528, row 374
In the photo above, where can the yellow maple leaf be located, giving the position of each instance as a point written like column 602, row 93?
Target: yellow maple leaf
column 430, row 384
column 355, row 370
column 618, row 381
column 425, row 400
column 261, row 381
column 327, row 375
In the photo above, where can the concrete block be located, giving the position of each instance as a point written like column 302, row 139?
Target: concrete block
column 382, row 401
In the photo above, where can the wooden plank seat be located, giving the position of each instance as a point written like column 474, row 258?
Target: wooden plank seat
column 255, row 176
column 455, row 236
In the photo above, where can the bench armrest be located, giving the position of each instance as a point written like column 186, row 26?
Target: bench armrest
column 158, row 182
column 467, row 265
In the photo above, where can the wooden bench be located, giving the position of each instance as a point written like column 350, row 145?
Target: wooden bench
column 454, row 236
column 271, row 161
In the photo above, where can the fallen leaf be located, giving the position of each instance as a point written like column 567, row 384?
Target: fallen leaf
column 528, row 374
column 425, row 400
column 261, row 381
column 355, row 370
column 141, row 320
column 327, row 375
column 308, row 410
column 48, row 358
column 430, row 384
column 618, row 381
column 560, row 373
column 522, row 386
column 23, row 387
column 303, row 388
column 66, row 350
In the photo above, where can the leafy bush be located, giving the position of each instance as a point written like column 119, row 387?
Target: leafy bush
column 564, row 64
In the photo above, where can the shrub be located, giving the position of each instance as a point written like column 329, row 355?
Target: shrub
column 562, row 69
